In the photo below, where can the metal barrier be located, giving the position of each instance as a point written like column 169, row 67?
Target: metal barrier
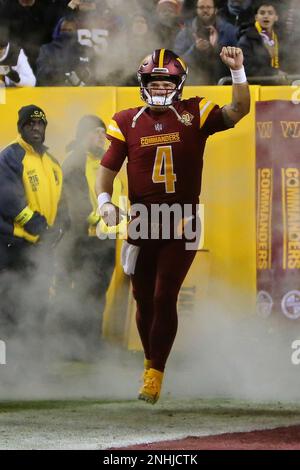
column 263, row 80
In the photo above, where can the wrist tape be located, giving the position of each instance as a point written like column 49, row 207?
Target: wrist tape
column 103, row 198
column 238, row 76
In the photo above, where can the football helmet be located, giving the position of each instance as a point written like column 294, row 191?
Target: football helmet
column 163, row 65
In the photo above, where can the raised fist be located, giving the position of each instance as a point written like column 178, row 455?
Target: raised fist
column 232, row 57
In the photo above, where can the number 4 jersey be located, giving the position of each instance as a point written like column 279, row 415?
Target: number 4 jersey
column 165, row 155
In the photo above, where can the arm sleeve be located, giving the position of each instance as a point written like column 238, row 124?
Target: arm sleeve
column 12, row 195
column 115, row 155
column 25, row 72
column 215, row 122
column 211, row 117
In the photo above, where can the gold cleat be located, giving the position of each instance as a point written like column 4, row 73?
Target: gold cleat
column 147, row 366
column 150, row 391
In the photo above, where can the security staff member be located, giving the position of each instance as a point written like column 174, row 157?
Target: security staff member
column 88, row 261
column 79, row 169
column 31, row 206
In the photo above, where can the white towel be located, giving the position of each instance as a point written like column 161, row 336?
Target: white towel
column 129, row 254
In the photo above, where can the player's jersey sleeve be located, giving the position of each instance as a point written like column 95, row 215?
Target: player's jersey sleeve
column 211, row 117
column 115, row 129
column 116, row 153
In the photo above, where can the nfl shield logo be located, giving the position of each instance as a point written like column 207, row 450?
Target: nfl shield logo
column 158, row 127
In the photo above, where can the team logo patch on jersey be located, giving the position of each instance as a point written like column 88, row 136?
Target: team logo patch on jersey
column 160, row 139
column 187, row 118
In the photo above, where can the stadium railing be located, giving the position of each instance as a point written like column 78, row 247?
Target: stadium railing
column 262, row 80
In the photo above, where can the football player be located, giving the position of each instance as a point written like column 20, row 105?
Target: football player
column 164, row 143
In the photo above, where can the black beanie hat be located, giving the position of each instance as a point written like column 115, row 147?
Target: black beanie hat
column 30, row 112
column 88, row 123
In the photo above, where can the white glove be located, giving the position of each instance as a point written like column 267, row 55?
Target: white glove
column 129, row 256
column 4, row 69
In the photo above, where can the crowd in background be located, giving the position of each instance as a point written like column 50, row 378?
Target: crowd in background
column 101, row 42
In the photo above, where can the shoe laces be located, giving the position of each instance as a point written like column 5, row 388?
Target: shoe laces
column 144, row 375
column 152, row 383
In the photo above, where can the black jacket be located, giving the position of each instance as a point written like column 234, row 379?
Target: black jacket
column 257, row 59
column 58, row 58
column 30, row 27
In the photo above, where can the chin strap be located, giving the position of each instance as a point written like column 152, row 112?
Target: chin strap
column 135, row 118
column 183, row 121
column 180, row 118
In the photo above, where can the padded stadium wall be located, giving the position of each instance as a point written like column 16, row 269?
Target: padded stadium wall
column 226, row 264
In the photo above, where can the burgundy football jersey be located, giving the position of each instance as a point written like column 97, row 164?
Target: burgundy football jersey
column 164, row 155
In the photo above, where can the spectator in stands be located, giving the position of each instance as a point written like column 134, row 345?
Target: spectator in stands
column 84, row 155
column 167, row 22
column 260, row 43
column 200, row 43
column 33, row 217
column 237, row 13
column 147, row 7
column 30, row 24
column 14, row 67
column 64, row 62
column 291, row 37
column 188, row 10
column 99, row 27
column 138, row 37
